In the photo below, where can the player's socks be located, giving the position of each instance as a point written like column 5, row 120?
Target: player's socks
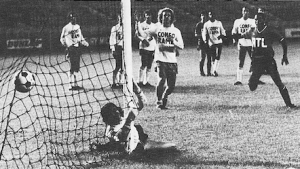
column 239, row 75
column 71, row 80
column 141, row 76
column 146, row 79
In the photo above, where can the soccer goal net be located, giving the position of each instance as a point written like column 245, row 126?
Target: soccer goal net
column 44, row 124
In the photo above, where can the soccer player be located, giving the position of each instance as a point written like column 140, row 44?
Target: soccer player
column 121, row 131
column 212, row 34
column 201, row 46
column 116, row 46
column 263, row 56
column 244, row 45
column 168, row 41
column 147, row 47
column 72, row 38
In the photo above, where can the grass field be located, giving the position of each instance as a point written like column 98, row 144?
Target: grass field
column 218, row 125
column 213, row 123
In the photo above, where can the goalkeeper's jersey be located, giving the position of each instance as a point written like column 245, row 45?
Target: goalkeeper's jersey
column 241, row 26
column 131, row 141
column 262, row 42
column 71, row 35
column 213, row 30
column 145, row 26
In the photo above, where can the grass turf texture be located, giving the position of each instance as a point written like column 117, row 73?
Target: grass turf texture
column 218, row 125
column 214, row 123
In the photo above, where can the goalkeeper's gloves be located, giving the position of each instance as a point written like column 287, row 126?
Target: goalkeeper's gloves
column 85, row 43
column 284, row 60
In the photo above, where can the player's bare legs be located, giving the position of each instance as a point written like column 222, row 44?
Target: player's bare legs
column 161, row 78
column 216, row 55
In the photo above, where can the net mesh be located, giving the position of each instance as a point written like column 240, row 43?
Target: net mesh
column 51, row 126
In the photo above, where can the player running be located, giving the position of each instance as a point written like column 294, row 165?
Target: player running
column 147, row 47
column 168, row 41
column 201, row 46
column 213, row 32
column 71, row 37
column 263, row 56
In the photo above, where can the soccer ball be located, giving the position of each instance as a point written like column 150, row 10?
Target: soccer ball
column 24, row 81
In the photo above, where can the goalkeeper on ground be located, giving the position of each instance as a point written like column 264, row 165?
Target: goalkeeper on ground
column 121, row 131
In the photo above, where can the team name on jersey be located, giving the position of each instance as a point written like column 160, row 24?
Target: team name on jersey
column 145, row 28
column 244, row 27
column 74, row 33
column 164, row 37
column 259, row 43
column 214, row 30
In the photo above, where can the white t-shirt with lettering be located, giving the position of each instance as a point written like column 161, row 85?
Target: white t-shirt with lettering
column 213, row 30
column 241, row 26
column 166, row 40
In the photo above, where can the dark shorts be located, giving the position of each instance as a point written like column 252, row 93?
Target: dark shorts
column 74, row 53
column 117, row 54
column 146, row 58
column 201, row 45
column 166, row 69
column 262, row 65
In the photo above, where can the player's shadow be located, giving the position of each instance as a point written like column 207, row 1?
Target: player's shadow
column 157, row 156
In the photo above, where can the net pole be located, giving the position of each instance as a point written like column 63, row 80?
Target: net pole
column 126, row 16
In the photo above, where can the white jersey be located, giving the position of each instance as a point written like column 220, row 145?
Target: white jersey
column 214, row 30
column 145, row 26
column 241, row 26
column 116, row 36
column 165, row 50
column 132, row 139
column 71, row 35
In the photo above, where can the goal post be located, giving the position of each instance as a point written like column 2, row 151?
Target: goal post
column 51, row 125
column 128, row 85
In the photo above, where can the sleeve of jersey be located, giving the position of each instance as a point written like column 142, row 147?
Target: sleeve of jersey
column 223, row 32
column 276, row 35
column 138, row 34
column 112, row 38
column 62, row 36
column 204, row 32
column 178, row 42
column 234, row 29
column 197, row 30
column 80, row 38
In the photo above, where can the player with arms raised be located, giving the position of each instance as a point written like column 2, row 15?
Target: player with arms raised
column 71, row 37
column 263, row 56
column 123, row 134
